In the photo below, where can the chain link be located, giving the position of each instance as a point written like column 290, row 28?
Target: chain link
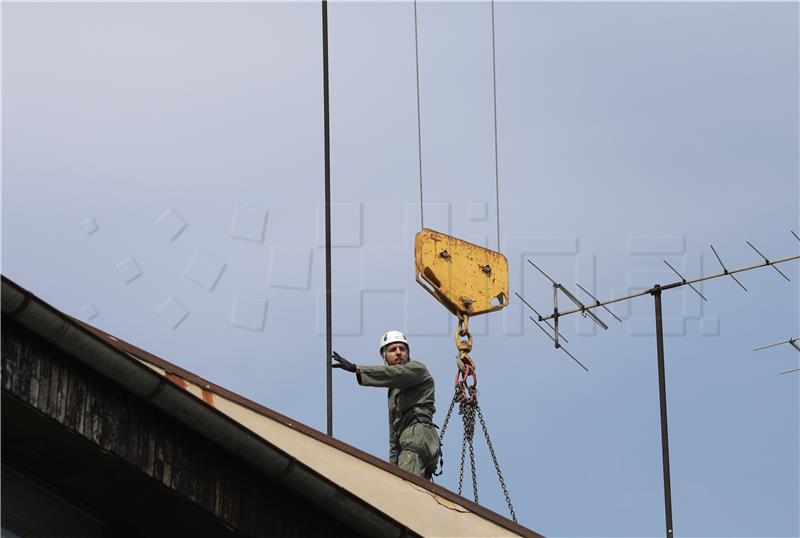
column 467, row 397
column 496, row 464
column 469, row 433
column 461, row 467
column 464, row 344
column 441, row 435
column 447, row 417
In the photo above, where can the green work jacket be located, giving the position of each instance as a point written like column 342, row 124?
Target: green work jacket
column 411, row 396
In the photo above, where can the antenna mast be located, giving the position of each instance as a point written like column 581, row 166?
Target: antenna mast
column 656, row 292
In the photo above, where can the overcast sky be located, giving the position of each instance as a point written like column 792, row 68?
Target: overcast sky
column 162, row 179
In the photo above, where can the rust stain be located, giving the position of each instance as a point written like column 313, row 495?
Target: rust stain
column 177, row 380
column 466, row 278
column 208, row 397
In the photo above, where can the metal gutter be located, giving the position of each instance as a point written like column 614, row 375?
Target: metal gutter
column 65, row 333
column 428, row 508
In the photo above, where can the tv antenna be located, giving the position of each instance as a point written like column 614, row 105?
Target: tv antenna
column 585, row 309
column 792, row 342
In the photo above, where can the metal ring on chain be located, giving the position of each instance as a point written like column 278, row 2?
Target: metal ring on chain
column 463, row 332
column 466, row 395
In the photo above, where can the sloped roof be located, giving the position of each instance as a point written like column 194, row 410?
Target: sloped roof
column 386, row 494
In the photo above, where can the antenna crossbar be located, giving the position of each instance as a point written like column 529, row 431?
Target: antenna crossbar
column 543, row 273
column 655, row 292
column 557, row 344
column 582, row 306
column 766, row 260
column 725, row 269
column 596, row 300
column 789, row 341
column 684, row 280
column 668, row 286
column 792, row 342
column 538, row 314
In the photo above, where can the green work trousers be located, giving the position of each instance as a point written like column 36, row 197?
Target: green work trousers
column 419, row 449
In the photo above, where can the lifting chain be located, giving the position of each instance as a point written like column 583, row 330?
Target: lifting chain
column 496, row 465
column 467, row 412
column 464, row 346
column 466, row 395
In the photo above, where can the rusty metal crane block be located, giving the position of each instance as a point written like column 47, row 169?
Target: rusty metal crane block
column 466, row 278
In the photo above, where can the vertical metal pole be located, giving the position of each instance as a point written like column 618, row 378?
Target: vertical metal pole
column 327, row 139
column 555, row 313
column 662, row 396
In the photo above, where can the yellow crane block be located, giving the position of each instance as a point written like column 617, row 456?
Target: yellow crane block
column 467, row 279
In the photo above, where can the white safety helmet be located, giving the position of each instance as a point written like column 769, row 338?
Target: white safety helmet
column 391, row 337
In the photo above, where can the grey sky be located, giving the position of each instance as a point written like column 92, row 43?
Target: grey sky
column 628, row 133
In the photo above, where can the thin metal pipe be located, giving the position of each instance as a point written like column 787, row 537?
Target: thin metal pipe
column 767, row 260
column 795, row 235
column 674, row 285
column 555, row 311
column 545, row 274
column 609, row 301
column 559, row 346
column 684, row 280
column 748, row 268
column 725, row 268
column 790, row 371
column 561, row 336
column 596, row 300
column 789, row 341
column 662, row 397
column 327, row 142
column 575, row 300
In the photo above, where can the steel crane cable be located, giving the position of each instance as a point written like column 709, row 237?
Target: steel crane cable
column 419, row 123
column 494, row 112
column 465, row 395
column 494, row 115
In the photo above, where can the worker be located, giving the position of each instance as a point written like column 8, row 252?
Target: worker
column 413, row 440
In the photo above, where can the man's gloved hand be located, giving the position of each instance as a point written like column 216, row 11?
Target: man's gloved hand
column 343, row 363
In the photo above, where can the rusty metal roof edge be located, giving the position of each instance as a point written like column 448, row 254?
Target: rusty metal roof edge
column 129, row 350
column 54, row 326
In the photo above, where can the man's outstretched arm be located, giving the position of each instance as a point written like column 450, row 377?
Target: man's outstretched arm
column 398, row 376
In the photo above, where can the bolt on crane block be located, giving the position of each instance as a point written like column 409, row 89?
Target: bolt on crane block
column 467, row 279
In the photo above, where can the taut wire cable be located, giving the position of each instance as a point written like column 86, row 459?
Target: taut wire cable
column 494, row 110
column 419, row 123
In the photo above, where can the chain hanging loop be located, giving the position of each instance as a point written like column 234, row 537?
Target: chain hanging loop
column 466, row 395
column 468, row 417
column 441, row 435
column 496, row 464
